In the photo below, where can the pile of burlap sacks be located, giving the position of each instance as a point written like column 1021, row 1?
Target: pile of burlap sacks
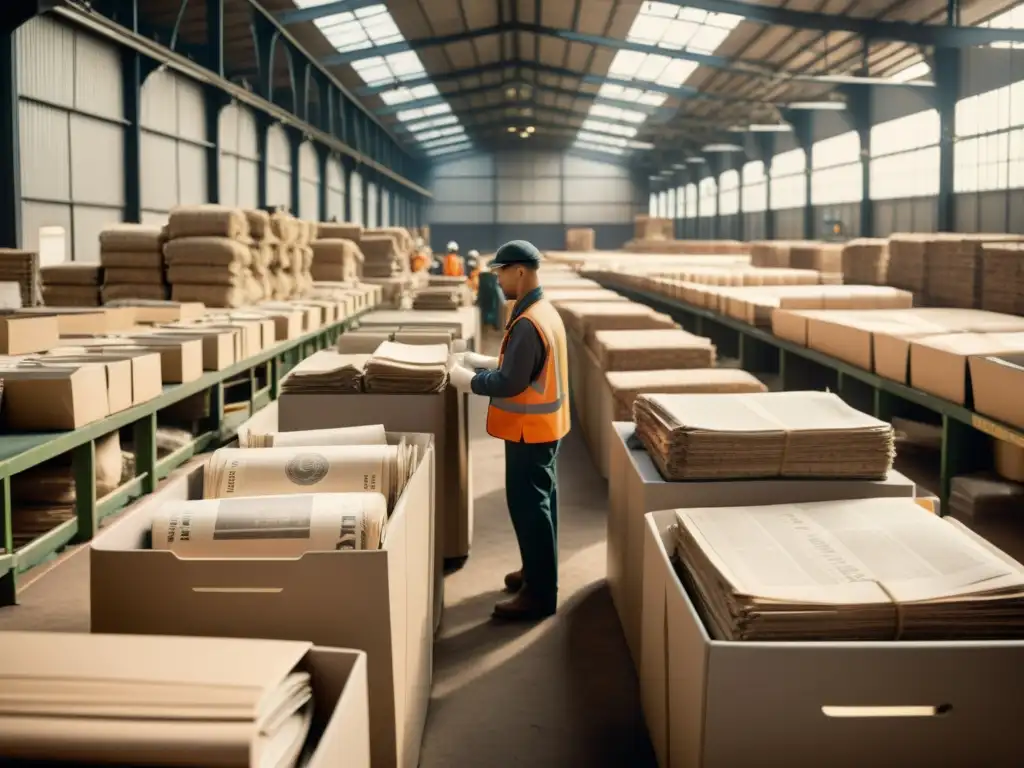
column 292, row 259
column 337, row 257
column 72, row 285
column 133, row 262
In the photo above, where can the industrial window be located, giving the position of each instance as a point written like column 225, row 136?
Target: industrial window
column 729, row 196
column 905, row 157
column 662, row 205
column 652, row 205
column 1011, row 19
column 708, row 197
column 671, row 213
column 989, row 149
column 789, row 180
column 755, row 187
column 680, row 202
column 691, row 201
column 836, row 171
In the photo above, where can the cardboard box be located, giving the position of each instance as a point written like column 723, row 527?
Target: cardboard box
column 719, row 704
column 118, row 371
column 169, row 312
column 146, row 370
column 220, row 347
column 635, row 487
column 24, row 335
column 374, row 601
column 54, row 399
column 997, row 383
column 939, row 364
column 443, row 415
column 465, row 321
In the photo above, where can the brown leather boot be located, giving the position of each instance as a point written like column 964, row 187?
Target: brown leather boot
column 525, row 607
column 514, row 581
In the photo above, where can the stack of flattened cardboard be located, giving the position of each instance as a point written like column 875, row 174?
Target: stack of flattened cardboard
column 336, row 260
column 396, row 368
column 380, row 254
column 770, row 253
column 441, row 298
column 22, row 267
column 870, row 569
column 771, row 434
column 626, row 386
column 586, row 318
column 826, row 258
column 1002, row 277
column 650, row 350
column 866, row 261
column 133, row 262
column 955, row 272
column 907, row 261
column 236, row 473
column 72, row 285
column 109, row 699
column 326, row 372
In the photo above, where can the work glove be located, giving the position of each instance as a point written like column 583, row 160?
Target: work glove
column 461, row 378
column 475, row 361
column 459, row 346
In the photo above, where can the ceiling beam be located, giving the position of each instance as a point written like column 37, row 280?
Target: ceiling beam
column 937, row 35
column 299, row 15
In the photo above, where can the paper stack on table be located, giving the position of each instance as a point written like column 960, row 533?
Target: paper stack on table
column 652, row 350
column 271, row 526
column 132, row 700
column 22, row 267
column 368, row 434
column 407, row 368
column 626, row 386
column 248, row 472
column 326, row 372
column 444, row 297
column 768, row 434
column 72, row 285
column 872, row 569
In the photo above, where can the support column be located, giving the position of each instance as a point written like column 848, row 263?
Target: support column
column 766, row 146
column 803, row 131
column 346, row 178
column 10, row 146
column 321, row 161
column 263, row 124
column 947, row 91
column 131, row 93
column 861, row 107
column 295, row 187
column 214, row 98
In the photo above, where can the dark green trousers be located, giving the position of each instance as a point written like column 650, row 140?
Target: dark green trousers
column 531, row 490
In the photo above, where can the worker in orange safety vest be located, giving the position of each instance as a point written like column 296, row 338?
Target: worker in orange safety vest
column 473, row 268
column 453, row 266
column 420, row 259
column 528, row 387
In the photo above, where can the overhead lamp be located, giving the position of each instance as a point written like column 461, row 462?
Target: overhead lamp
column 837, row 106
column 866, row 80
column 770, row 128
column 511, row 129
column 524, row 135
column 679, row 166
column 530, row 129
column 695, row 160
column 721, row 148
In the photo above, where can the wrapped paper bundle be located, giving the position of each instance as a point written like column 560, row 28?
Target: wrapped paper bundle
column 870, row 569
column 81, row 699
column 336, row 260
column 651, row 350
column 770, row 434
column 327, row 372
column 72, row 285
column 332, row 230
column 627, row 385
column 271, row 526
column 208, row 221
column 380, row 256
column 247, row 472
column 407, row 368
column 369, row 434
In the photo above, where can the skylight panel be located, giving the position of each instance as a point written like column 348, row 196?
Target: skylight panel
column 672, row 28
column 440, row 133
column 598, row 148
column 597, row 125
column 449, row 150
column 433, row 122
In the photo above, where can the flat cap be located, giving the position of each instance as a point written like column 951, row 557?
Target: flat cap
column 517, row 252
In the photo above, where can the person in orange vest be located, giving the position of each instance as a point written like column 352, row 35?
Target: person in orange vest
column 528, row 387
column 473, row 268
column 420, row 260
column 453, row 266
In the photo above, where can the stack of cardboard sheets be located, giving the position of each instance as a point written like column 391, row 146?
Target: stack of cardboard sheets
column 381, row 258
column 72, row 285
column 865, row 261
column 108, row 699
column 955, row 271
column 651, row 350
column 440, row 298
column 586, row 318
column 22, row 267
column 770, row 253
column 132, row 258
column 826, row 258
column 907, row 261
column 1002, row 277
column 326, row 372
column 397, row 368
column 870, row 569
column 772, row 434
column 625, row 386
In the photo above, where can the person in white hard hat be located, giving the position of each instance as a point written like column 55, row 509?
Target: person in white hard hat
column 420, row 259
column 453, row 264
column 473, row 269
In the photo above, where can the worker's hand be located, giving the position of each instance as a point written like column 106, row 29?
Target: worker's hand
column 473, row 360
column 461, row 378
column 458, row 346
column 456, row 358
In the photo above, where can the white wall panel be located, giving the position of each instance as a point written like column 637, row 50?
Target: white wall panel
column 309, row 182
column 71, row 135
column 335, row 189
column 458, row 213
column 371, row 205
column 471, row 166
column 159, row 188
column 239, row 157
column 279, row 167
column 385, row 208
column 355, row 185
column 464, row 190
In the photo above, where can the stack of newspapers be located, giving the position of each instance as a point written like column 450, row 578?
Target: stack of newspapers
column 762, row 435
column 396, row 368
column 130, row 700
column 326, row 372
column 872, row 569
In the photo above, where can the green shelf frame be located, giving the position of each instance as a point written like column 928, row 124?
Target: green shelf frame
column 19, row 452
column 965, row 447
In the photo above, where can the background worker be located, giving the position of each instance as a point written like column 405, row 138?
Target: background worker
column 420, row 259
column 453, row 266
column 528, row 384
column 473, row 269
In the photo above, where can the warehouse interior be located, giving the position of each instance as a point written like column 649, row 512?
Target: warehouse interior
column 785, row 244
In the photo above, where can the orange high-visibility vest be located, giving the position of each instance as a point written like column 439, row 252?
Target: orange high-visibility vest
column 540, row 413
column 453, row 265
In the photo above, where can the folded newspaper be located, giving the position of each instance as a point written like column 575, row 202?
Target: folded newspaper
column 271, row 526
column 248, row 472
column 134, row 700
column 368, row 434
column 872, row 569
column 765, row 434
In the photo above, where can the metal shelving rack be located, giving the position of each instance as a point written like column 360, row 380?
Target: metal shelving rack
column 19, row 452
column 965, row 447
